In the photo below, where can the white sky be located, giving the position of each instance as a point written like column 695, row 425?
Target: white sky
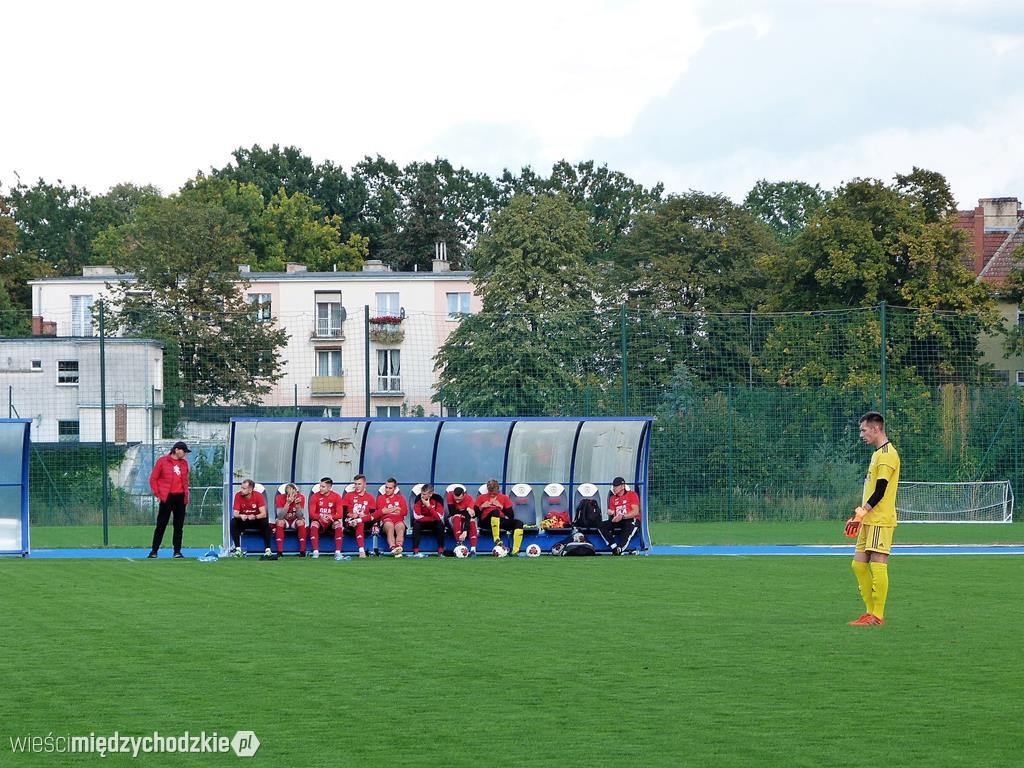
column 698, row 95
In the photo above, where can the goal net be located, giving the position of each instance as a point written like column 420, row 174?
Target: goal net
column 987, row 502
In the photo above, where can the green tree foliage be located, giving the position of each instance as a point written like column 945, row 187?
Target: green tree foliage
column 611, row 200
column 410, row 209
column 694, row 256
column 287, row 228
column 53, row 223
column 528, row 350
column 184, row 254
column 869, row 243
column 785, row 206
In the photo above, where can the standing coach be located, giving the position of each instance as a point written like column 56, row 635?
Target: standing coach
column 169, row 483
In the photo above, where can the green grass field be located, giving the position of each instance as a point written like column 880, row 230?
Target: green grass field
column 814, row 532
column 598, row 662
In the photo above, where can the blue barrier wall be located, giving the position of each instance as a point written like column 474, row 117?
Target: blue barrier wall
column 14, row 456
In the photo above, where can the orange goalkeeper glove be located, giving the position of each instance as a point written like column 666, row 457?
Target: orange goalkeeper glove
column 854, row 523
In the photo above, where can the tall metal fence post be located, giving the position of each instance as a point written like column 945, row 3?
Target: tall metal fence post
column 152, row 440
column 625, row 360
column 366, row 353
column 729, row 404
column 103, row 424
column 884, row 344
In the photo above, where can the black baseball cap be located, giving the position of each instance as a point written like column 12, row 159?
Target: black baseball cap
column 181, row 445
column 618, row 481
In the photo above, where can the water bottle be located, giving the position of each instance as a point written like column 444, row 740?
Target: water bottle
column 211, row 555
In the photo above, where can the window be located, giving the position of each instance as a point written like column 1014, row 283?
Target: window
column 261, row 304
column 1003, row 377
column 81, row 316
column 67, row 371
column 1020, row 316
column 328, row 314
column 328, row 362
column 389, row 411
column 458, row 305
column 387, row 304
column 67, row 431
column 37, row 365
column 389, row 369
column 1020, row 378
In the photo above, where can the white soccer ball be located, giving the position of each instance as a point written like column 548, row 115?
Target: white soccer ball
column 461, row 551
column 499, row 551
column 533, row 550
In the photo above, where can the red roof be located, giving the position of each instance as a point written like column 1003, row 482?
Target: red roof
column 1003, row 260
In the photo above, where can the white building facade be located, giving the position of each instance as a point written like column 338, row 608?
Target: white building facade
column 55, row 381
column 345, row 330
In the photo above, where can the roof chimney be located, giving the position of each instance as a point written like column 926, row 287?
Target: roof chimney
column 291, row 267
column 1000, row 212
column 441, row 257
column 244, row 269
column 375, row 265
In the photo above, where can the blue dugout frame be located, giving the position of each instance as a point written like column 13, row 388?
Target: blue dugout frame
column 639, row 481
column 26, row 445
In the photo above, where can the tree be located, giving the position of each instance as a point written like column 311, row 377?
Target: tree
column 53, row 225
column 929, row 191
column 410, row 209
column 185, row 254
column 785, row 206
column 611, row 200
column 680, row 266
column 528, row 351
column 870, row 243
column 288, row 230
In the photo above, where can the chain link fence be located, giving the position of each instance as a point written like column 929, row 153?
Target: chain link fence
column 756, row 414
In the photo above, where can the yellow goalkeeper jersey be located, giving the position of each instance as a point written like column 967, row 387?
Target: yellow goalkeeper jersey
column 885, row 465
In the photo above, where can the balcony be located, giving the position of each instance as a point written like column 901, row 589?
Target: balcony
column 387, row 330
column 327, row 386
column 327, row 333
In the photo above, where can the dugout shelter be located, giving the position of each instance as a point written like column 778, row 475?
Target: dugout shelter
column 15, row 443
column 534, row 452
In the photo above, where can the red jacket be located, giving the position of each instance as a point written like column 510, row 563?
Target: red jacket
column 163, row 475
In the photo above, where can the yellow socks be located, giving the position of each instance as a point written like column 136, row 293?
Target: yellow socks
column 880, row 580
column 863, row 573
column 517, row 540
column 496, row 528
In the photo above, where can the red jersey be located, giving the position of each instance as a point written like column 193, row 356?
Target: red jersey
column 429, row 512
column 621, row 505
column 490, row 498
column 330, row 505
column 460, row 505
column 361, row 505
column 290, row 508
column 169, row 475
column 392, row 508
column 249, row 505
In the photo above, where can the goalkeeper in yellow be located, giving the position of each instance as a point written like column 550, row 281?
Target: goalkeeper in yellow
column 874, row 520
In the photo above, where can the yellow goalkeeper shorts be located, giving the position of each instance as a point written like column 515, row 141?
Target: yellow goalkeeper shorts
column 875, row 538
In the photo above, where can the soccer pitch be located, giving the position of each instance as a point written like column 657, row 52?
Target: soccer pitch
column 593, row 662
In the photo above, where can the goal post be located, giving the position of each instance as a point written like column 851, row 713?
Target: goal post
column 979, row 502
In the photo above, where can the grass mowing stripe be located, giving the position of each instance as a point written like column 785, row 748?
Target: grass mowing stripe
column 656, row 661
